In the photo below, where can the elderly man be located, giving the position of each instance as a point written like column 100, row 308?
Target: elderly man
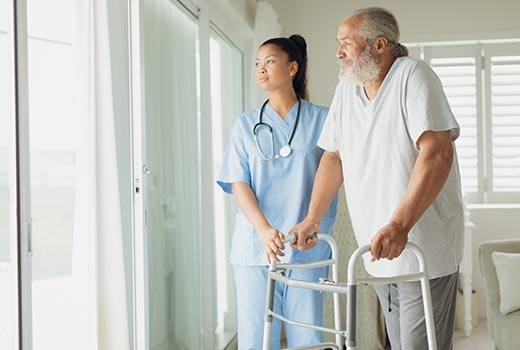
column 389, row 134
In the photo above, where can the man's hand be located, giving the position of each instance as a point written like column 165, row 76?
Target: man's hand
column 272, row 239
column 389, row 242
column 305, row 233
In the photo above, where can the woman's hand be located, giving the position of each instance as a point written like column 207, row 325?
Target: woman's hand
column 272, row 239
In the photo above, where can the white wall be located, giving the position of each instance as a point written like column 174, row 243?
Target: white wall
column 246, row 9
column 317, row 21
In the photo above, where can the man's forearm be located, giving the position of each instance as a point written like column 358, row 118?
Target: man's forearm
column 328, row 180
column 428, row 178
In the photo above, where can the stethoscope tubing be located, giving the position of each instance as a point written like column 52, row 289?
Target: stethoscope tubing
column 270, row 128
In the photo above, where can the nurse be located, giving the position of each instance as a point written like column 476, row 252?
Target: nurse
column 269, row 166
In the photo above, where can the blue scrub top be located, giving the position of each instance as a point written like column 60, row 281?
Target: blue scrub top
column 282, row 186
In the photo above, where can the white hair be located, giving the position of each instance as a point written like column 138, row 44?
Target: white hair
column 361, row 71
column 377, row 22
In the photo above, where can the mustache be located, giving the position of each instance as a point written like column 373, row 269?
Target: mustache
column 344, row 62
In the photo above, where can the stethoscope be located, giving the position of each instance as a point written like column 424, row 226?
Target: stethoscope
column 286, row 150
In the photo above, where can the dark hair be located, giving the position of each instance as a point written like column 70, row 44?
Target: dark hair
column 296, row 47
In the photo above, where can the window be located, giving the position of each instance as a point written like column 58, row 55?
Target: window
column 504, row 95
column 8, row 201
column 171, row 130
column 482, row 83
column 188, row 92
column 458, row 76
column 53, row 134
column 226, row 104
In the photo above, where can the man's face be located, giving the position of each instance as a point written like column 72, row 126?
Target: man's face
column 357, row 62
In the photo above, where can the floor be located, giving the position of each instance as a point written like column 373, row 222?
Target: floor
column 48, row 306
column 479, row 339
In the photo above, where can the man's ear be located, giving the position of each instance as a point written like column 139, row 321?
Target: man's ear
column 380, row 44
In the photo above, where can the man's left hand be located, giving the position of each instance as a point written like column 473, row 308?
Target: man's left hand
column 389, row 242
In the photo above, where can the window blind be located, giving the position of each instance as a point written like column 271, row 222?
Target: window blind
column 505, row 122
column 458, row 77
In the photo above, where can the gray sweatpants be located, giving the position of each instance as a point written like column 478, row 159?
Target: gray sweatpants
column 405, row 322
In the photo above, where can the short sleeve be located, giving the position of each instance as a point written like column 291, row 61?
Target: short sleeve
column 329, row 134
column 234, row 167
column 427, row 105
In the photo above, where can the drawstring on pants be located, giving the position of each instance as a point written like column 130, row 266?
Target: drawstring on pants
column 389, row 300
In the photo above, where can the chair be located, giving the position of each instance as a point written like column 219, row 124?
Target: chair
column 503, row 329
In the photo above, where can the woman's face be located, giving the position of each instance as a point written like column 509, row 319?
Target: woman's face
column 273, row 69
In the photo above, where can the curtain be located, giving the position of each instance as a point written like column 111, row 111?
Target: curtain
column 98, row 254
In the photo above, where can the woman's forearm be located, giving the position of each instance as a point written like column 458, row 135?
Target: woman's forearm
column 246, row 200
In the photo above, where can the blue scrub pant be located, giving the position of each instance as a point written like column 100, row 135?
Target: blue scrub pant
column 294, row 303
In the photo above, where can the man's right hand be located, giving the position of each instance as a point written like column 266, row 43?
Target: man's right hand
column 305, row 232
column 273, row 241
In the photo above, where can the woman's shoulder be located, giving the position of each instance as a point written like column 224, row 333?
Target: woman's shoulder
column 252, row 113
column 248, row 117
column 317, row 110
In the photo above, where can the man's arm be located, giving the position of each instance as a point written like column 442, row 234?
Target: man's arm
column 429, row 175
column 328, row 180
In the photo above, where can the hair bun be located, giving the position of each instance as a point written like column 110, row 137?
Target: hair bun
column 300, row 42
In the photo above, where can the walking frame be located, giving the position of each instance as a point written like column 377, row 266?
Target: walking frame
column 277, row 272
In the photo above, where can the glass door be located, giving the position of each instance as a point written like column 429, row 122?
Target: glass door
column 53, row 127
column 15, row 223
column 167, row 199
column 227, row 102
column 8, row 200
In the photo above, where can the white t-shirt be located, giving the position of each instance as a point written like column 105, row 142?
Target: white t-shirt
column 377, row 144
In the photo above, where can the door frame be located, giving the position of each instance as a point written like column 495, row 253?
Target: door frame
column 20, row 109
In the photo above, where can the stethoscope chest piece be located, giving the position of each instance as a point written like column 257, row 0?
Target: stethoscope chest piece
column 285, row 151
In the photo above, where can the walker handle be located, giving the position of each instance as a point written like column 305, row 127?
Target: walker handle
column 366, row 248
column 291, row 238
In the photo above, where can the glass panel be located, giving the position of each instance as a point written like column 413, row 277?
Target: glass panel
column 8, row 257
column 53, row 131
column 172, row 186
column 226, row 105
column 61, row 160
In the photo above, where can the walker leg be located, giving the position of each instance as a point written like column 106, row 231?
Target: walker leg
column 428, row 313
column 268, row 318
column 335, row 299
column 351, row 316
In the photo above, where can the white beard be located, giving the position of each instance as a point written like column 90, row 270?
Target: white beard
column 365, row 69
